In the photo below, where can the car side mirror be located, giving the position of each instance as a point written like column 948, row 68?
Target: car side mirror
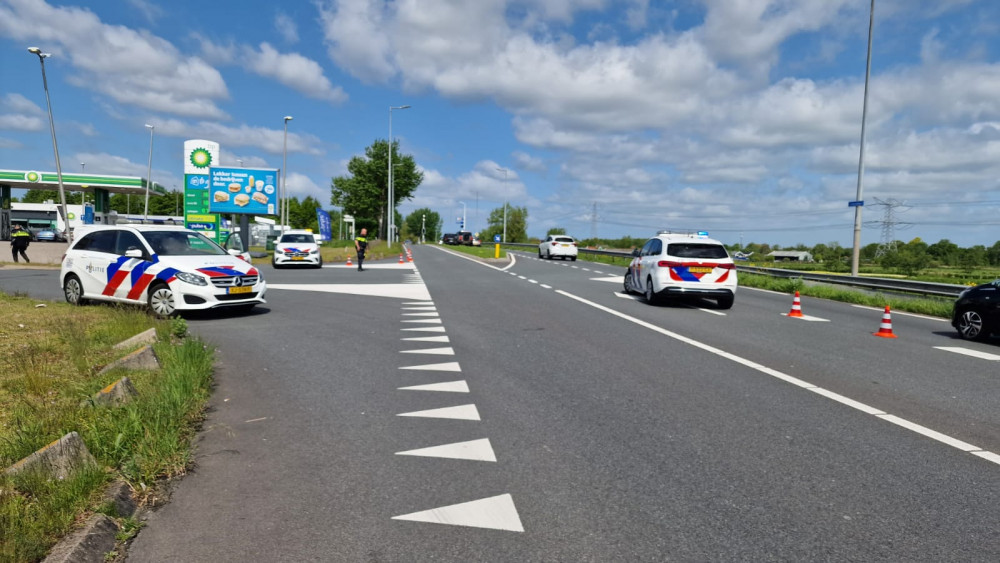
column 635, row 252
column 133, row 253
column 235, row 252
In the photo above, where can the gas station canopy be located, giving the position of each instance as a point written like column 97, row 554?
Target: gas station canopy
column 32, row 180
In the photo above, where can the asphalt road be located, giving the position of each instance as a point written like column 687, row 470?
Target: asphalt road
column 588, row 426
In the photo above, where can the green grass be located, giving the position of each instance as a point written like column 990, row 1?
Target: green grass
column 340, row 250
column 485, row 251
column 48, row 369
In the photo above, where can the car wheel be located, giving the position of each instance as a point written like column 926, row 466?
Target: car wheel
column 971, row 325
column 548, row 255
column 725, row 302
column 320, row 263
column 650, row 294
column 73, row 290
column 539, row 253
column 161, row 301
column 573, row 258
column 628, row 281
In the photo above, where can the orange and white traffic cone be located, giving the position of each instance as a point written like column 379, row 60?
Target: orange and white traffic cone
column 409, row 257
column 796, row 306
column 349, row 261
column 885, row 327
column 400, row 258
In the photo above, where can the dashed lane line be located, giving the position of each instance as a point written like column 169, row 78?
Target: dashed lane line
column 969, row 352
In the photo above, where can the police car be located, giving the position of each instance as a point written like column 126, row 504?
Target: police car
column 682, row 265
column 169, row 269
column 295, row 248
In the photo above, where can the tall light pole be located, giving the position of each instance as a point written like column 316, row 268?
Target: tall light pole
column 423, row 228
column 149, row 174
column 463, row 215
column 504, row 170
column 83, row 195
column 55, row 146
column 390, row 219
column 856, row 255
column 283, row 218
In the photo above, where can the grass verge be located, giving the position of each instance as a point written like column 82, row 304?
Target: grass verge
column 485, row 251
column 49, row 363
column 339, row 250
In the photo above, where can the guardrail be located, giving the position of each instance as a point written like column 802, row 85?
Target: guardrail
column 877, row 284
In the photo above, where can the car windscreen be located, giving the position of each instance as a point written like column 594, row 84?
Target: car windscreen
column 182, row 243
column 697, row 250
column 297, row 238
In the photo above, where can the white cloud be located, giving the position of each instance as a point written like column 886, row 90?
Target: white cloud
column 20, row 104
column 356, row 38
column 525, row 161
column 150, row 11
column 269, row 140
column 293, row 70
column 301, row 186
column 286, row 28
column 21, row 122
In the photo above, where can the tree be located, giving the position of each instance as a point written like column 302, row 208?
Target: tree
column 517, row 224
column 413, row 222
column 556, row 231
column 364, row 193
column 41, row 196
column 303, row 215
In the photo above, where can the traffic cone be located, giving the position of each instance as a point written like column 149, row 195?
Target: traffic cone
column 349, row 261
column 796, row 306
column 885, row 327
column 400, row 258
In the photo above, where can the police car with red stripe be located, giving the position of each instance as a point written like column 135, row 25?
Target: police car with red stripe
column 167, row 268
column 682, row 265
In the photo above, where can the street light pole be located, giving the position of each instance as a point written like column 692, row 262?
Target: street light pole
column 283, row 204
column 423, row 228
column 463, row 215
column 149, row 174
column 390, row 219
column 55, row 146
column 504, row 170
column 856, row 254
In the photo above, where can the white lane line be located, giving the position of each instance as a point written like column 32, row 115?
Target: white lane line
column 574, row 267
column 427, row 339
column 712, row 311
column 882, row 309
column 532, row 281
column 598, row 272
column 445, row 351
column 513, row 259
column 428, row 314
column 989, row 456
column 425, row 329
column 431, row 308
column 512, row 273
column 461, row 412
column 521, row 278
column 473, row 450
column 611, row 279
column 586, row 269
column 427, row 303
column 968, row 352
column 448, row 387
column 446, row 366
column 430, row 321
column 394, row 290
column 546, row 286
column 496, row 513
column 628, row 296
column 808, row 318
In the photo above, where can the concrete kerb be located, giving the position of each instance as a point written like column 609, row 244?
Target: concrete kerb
column 58, row 459
column 118, row 393
column 145, row 337
column 143, row 358
column 89, row 543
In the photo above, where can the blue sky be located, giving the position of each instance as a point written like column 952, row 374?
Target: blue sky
column 739, row 117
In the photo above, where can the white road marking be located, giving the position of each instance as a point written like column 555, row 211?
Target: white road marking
column 461, row 412
column 882, row 309
column 612, row 279
column 586, row 269
column 431, row 308
column 989, row 456
column 431, row 321
column 639, row 298
column 546, row 286
column 371, row 266
column 428, row 314
column 426, row 329
column 808, row 318
column 423, row 303
column 598, row 272
column 427, row 339
column 712, row 311
column 447, row 366
column 394, row 290
column 446, row 351
column 496, row 513
column 574, row 267
column 474, row 450
column 968, row 352
column 628, row 296
column 448, row 386
column 521, row 278
column 532, row 281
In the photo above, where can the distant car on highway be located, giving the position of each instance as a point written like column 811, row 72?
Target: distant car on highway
column 558, row 245
column 49, row 235
column 449, row 238
column 682, row 265
column 976, row 313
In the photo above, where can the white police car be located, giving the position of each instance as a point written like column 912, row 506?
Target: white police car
column 682, row 265
column 296, row 248
column 167, row 268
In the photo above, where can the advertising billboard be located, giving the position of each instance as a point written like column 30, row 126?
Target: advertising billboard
column 243, row 190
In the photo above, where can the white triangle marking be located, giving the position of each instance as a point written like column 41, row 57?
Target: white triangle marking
column 427, row 339
column 447, row 366
column 430, row 308
column 461, row 412
column 432, row 314
column 475, row 450
column 431, row 321
column 446, row 351
column 448, row 387
column 497, row 513
column 425, row 329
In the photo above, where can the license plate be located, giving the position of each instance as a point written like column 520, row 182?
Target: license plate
column 564, row 245
column 700, row 270
column 296, row 258
column 245, row 289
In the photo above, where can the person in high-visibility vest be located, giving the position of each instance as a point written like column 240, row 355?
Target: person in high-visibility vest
column 361, row 245
column 19, row 240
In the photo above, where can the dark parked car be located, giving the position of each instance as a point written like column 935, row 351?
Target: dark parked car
column 977, row 311
column 464, row 237
column 449, row 238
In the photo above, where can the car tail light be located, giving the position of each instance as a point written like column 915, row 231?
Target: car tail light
column 554, row 243
column 669, row 264
column 574, row 244
column 726, row 266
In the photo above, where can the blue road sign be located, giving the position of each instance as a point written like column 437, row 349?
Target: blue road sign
column 856, row 203
column 496, row 238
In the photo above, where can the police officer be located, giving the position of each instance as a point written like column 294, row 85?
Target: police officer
column 19, row 240
column 361, row 245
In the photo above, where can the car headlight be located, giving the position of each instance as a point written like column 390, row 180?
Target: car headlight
column 192, row 279
column 314, row 251
column 278, row 251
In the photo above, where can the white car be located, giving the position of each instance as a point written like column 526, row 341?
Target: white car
column 558, row 245
column 296, row 248
column 169, row 269
column 682, row 265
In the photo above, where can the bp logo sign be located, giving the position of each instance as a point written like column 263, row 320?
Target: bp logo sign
column 32, row 176
column 72, row 216
column 201, row 158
